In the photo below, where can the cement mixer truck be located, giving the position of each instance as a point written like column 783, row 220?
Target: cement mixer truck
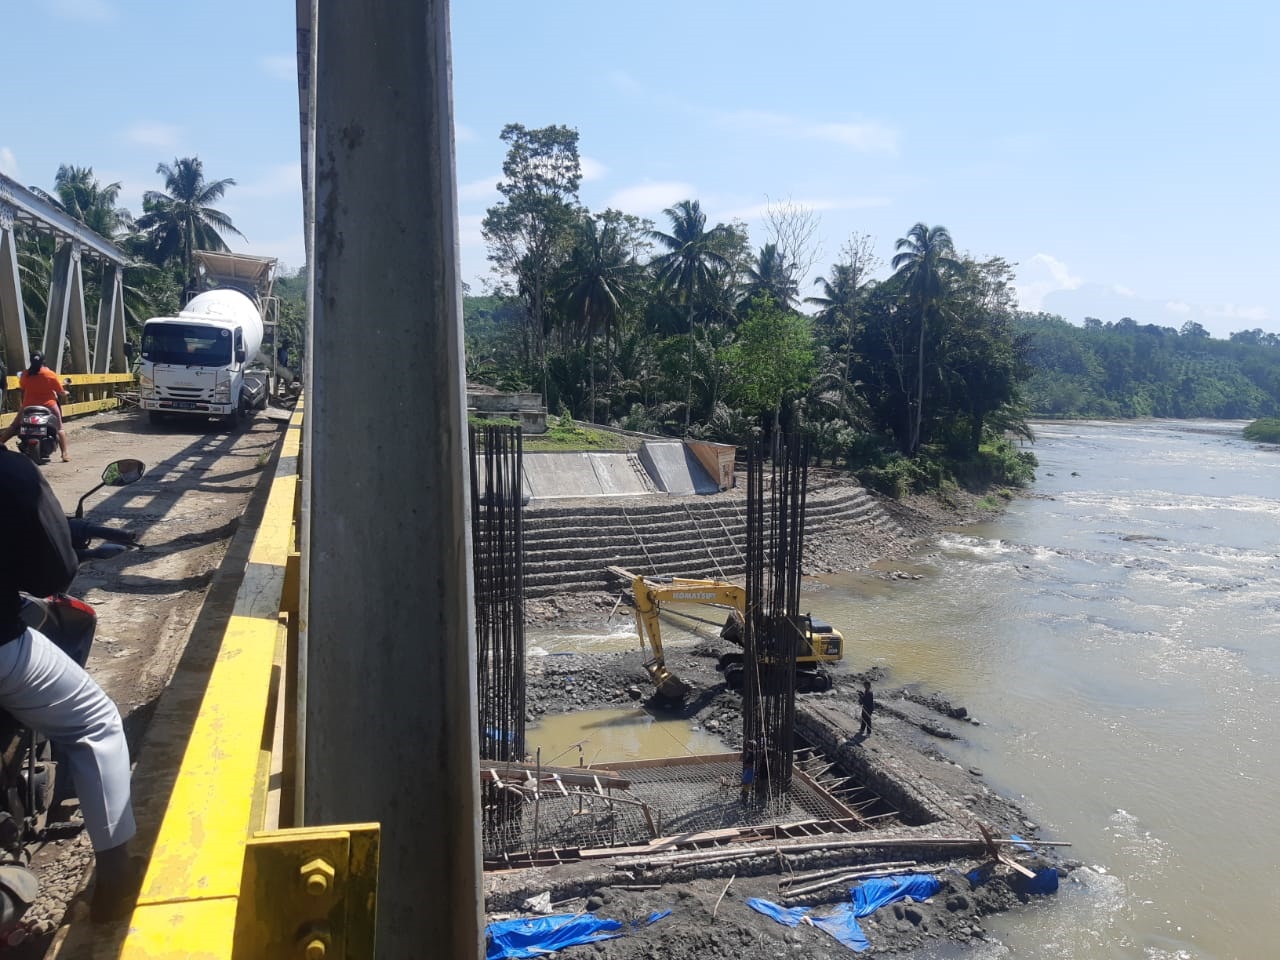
column 207, row 362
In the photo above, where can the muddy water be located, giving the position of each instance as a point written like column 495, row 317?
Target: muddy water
column 600, row 736
column 1120, row 638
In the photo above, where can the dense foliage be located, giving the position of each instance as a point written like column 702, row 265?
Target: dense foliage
column 1266, row 430
column 1124, row 369
column 682, row 327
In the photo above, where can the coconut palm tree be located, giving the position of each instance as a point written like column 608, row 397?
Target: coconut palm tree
column 926, row 260
column 772, row 276
column 597, row 281
column 687, row 267
column 77, row 192
column 182, row 219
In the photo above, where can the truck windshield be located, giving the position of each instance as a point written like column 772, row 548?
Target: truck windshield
column 186, row 343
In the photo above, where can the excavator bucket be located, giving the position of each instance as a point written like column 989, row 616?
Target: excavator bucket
column 669, row 686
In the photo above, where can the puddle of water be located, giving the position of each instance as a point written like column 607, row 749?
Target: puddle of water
column 599, row 736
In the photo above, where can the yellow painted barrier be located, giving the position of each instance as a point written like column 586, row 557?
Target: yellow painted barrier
column 218, row 885
column 90, row 393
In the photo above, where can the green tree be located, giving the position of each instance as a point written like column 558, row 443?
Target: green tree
column 597, row 282
column 773, row 358
column 772, row 276
column 838, row 306
column 926, row 261
column 181, row 219
column 530, row 230
column 77, row 191
column 687, row 267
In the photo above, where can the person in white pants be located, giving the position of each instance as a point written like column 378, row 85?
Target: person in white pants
column 48, row 691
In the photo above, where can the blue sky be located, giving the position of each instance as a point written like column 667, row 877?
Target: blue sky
column 1123, row 155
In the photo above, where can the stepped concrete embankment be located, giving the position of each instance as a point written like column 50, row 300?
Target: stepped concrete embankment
column 570, row 541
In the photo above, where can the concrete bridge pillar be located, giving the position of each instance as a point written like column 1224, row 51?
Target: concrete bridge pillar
column 389, row 661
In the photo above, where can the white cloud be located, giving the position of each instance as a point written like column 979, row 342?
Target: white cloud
column 1048, row 274
column 8, row 163
column 462, row 133
column 1124, row 291
column 90, row 11
column 1235, row 311
column 592, row 169
column 280, row 180
column 869, row 137
column 625, row 82
column 862, row 137
column 651, row 197
column 164, row 135
column 1178, row 307
column 757, row 211
column 470, row 231
column 282, row 66
column 481, row 189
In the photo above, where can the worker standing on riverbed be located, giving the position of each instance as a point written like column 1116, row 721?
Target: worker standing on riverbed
column 868, row 701
column 748, row 767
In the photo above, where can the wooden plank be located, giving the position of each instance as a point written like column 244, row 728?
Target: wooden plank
column 685, row 761
column 574, row 776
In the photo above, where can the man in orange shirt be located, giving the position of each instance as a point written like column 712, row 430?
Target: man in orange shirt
column 40, row 388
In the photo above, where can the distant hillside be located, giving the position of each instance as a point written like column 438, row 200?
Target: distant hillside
column 1123, row 369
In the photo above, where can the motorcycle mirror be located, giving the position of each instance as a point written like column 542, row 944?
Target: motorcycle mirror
column 121, row 473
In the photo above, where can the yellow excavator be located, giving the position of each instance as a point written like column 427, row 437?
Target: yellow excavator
column 821, row 643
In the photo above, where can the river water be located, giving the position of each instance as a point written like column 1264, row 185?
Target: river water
column 1118, row 633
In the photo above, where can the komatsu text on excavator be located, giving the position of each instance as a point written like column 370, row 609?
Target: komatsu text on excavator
column 822, row 643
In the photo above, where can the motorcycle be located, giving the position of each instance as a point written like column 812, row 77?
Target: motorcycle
column 29, row 787
column 37, row 433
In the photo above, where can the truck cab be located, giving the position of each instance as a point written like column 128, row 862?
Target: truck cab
column 205, row 361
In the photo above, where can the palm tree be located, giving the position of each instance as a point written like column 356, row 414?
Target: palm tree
column 597, row 281
column 687, row 268
column 925, row 260
column 838, row 306
column 773, row 277
column 77, row 192
column 182, row 219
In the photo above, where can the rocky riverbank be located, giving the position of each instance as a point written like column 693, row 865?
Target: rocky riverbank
column 913, row 729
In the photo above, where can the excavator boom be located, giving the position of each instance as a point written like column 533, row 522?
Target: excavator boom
column 824, row 644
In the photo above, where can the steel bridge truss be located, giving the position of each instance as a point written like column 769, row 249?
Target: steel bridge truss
column 66, row 319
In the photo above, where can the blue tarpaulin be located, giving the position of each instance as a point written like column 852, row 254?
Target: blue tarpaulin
column 787, row 916
column 868, row 897
column 842, row 924
column 538, row 936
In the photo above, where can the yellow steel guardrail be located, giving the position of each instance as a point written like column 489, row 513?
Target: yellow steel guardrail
column 90, row 393
column 219, row 884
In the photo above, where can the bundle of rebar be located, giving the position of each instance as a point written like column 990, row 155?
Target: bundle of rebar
column 774, row 630
column 497, row 551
